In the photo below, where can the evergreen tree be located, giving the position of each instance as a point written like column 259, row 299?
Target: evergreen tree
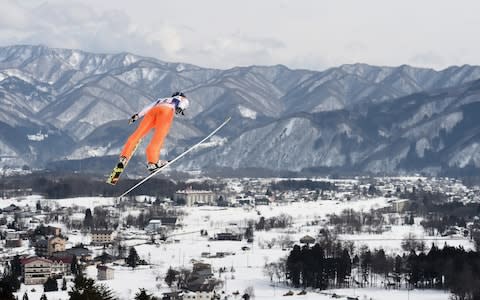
column 64, row 285
column 16, row 266
column 365, row 263
column 269, row 192
column 25, row 296
column 11, row 281
column 44, row 297
column 121, row 250
column 398, row 269
column 50, row 285
column 295, row 266
column 6, row 290
column 86, row 289
column 372, row 190
column 132, row 258
column 379, row 262
column 344, row 266
column 38, row 206
column 143, row 295
column 249, row 232
column 261, row 224
column 412, row 268
column 88, row 220
column 411, row 220
column 318, row 265
column 171, row 276
column 74, row 268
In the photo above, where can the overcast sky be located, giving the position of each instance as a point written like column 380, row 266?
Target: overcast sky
column 311, row 34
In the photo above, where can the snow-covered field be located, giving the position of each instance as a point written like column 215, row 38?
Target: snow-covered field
column 87, row 202
column 244, row 268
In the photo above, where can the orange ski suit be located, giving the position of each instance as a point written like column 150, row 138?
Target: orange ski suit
column 158, row 117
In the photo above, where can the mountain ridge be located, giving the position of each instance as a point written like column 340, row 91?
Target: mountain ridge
column 351, row 118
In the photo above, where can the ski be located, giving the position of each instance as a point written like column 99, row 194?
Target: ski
column 177, row 158
column 117, row 171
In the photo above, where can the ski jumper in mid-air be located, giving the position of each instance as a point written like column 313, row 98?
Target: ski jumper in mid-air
column 158, row 116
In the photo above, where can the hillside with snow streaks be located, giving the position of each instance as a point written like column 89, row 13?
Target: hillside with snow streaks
column 351, row 118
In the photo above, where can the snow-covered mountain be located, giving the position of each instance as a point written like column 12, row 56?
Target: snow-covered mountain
column 67, row 105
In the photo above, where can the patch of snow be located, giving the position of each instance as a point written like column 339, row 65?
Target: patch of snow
column 465, row 156
column 75, row 59
column 19, row 74
column 344, row 128
column 129, row 59
column 421, row 145
column 328, row 104
column 41, row 88
column 383, row 133
column 214, row 141
column 180, row 67
column 247, row 112
column 289, row 127
column 149, row 74
column 88, row 151
column 37, row 137
column 432, row 128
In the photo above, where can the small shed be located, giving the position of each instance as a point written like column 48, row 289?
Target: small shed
column 307, row 240
column 104, row 272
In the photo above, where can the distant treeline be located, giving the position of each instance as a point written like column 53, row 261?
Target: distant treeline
column 55, row 186
column 292, row 185
column 439, row 213
column 450, row 268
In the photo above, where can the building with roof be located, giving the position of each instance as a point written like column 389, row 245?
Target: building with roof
column 61, row 265
column 169, row 221
column 228, row 236
column 307, row 240
column 36, row 270
column 195, row 197
column 154, row 225
column 46, row 247
column 104, row 272
column 102, row 236
column 400, row 205
column 201, row 283
column 80, row 252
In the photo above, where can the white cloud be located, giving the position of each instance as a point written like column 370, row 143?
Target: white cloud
column 76, row 25
column 236, row 49
column 14, row 17
column 426, row 59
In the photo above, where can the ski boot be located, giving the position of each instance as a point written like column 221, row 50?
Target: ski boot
column 122, row 162
column 152, row 167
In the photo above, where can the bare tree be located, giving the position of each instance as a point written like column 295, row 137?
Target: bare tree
column 412, row 242
column 250, row 291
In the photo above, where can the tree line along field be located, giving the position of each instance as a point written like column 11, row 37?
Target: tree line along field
column 59, row 186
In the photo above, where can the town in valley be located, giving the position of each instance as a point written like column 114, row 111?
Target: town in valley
column 244, row 238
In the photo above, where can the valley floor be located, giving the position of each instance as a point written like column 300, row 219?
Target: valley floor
column 244, row 267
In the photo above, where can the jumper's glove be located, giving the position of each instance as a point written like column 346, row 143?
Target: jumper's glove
column 133, row 119
column 179, row 111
